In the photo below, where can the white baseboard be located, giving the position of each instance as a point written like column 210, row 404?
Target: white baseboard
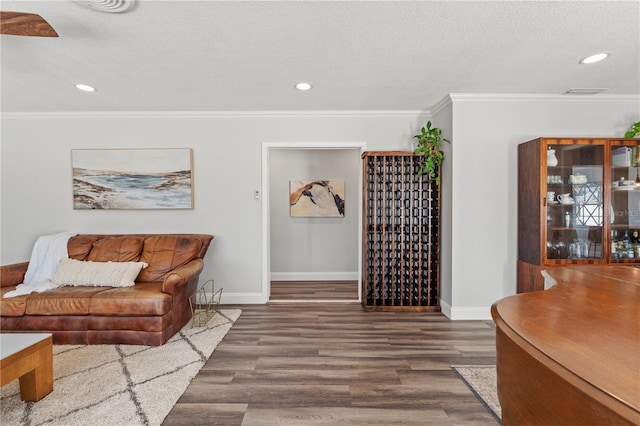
column 314, row 276
column 453, row 313
column 465, row 314
column 243, row 299
column 445, row 308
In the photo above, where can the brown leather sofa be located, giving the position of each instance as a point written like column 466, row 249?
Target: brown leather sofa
column 148, row 313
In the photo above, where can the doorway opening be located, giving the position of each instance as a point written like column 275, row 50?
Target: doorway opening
column 300, row 256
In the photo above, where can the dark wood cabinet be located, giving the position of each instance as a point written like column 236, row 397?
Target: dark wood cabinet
column 401, row 235
column 578, row 203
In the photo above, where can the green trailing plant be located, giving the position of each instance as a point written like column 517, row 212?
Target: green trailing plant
column 429, row 142
column 633, row 131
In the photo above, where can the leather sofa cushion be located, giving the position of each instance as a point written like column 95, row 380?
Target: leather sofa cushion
column 144, row 298
column 13, row 306
column 164, row 253
column 79, row 246
column 62, row 301
column 141, row 299
column 116, row 249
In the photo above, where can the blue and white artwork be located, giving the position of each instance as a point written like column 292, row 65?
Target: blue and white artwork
column 132, row 178
column 316, row 198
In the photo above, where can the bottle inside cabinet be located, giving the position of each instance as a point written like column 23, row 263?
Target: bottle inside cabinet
column 575, row 209
column 625, row 202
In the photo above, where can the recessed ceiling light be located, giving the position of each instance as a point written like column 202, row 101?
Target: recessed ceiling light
column 595, row 58
column 303, row 86
column 85, row 88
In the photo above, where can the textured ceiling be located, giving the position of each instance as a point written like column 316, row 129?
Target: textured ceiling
column 359, row 55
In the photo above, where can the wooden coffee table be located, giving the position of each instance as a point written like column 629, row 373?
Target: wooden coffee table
column 28, row 356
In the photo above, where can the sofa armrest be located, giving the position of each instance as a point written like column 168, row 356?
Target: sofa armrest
column 12, row 274
column 182, row 275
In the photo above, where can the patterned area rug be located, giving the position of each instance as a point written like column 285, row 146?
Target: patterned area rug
column 118, row 384
column 482, row 381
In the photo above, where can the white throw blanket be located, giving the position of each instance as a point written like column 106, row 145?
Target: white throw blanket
column 47, row 253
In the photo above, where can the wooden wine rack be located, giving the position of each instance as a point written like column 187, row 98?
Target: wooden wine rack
column 401, row 235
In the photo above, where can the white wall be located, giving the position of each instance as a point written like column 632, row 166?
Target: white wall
column 304, row 248
column 36, row 191
column 442, row 118
column 486, row 133
column 479, row 178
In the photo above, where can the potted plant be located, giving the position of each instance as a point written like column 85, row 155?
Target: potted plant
column 633, row 131
column 429, row 141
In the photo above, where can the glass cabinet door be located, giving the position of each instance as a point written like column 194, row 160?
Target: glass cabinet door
column 575, row 202
column 625, row 201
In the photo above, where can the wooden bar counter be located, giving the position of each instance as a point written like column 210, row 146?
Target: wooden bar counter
column 570, row 355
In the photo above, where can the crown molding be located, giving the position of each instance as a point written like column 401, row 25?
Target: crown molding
column 524, row 97
column 429, row 112
column 218, row 114
column 439, row 106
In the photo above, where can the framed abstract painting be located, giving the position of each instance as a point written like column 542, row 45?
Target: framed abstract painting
column 132, row 178
column 316, row 198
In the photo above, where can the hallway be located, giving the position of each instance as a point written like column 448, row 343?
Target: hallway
column 314, row 290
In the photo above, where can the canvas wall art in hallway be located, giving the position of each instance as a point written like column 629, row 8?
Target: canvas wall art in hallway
column 316, row 198
column 132, row 178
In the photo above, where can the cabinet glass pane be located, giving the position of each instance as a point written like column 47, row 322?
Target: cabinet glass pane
column 625, row 202
column 575, row 201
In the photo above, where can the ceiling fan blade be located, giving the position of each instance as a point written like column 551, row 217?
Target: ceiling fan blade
column 25, row 24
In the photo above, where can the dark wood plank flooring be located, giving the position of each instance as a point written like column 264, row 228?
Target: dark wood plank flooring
column 314, row 290
column 333, row 364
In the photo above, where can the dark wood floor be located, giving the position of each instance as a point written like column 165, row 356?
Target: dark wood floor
column 333, row 364
column 314, row 290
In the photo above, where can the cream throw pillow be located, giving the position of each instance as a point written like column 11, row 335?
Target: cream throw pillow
column 73, row 272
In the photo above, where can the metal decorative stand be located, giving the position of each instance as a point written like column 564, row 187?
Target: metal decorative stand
column 207, row 304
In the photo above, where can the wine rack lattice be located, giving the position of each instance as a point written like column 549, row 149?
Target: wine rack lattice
column 401, row 234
